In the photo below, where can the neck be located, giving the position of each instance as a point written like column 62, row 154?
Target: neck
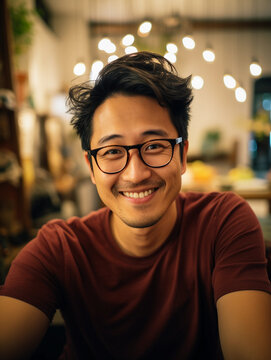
column 142, row 242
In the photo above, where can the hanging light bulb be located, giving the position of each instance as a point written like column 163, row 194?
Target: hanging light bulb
column 208, row 55
column 128, row 40
column 229, row 81
column 95, row 69
column 103, row 43
column 240, row 94
column 144, row 28
column 110, row 48
column 197, row 82
column 172, row 48
column 79, row 69
column 255, row 68
column 188, row 42
column 130, row 50
column 170, row 57
column 112, row 58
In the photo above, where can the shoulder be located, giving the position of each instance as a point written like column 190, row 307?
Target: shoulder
column 76, row 225
column 209, row 202
column 62, row 236
column 221, row 212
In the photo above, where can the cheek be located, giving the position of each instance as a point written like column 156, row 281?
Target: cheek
column 103, row 182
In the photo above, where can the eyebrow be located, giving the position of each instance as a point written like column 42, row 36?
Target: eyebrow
column 157, row 132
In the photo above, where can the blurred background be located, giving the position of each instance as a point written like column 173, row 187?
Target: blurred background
column 47, row 46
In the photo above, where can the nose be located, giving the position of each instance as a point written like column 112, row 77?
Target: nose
column 135, row 171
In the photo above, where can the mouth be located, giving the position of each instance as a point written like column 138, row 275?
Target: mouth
column 138, row 195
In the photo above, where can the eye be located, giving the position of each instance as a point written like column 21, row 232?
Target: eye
column 156, row 146
column 112, row 152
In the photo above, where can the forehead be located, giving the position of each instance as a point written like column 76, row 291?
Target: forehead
column 130, row 117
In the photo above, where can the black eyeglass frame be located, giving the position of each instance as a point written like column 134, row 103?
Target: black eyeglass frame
column 172, row 142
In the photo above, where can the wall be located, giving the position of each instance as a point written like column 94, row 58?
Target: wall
column 44, row 66
column 214, row 106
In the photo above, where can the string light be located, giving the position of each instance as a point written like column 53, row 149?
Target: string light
column 170, row 57
column 188, row 42
column 130, row 50
column 240, row 94
column 103, row 43
column 95, row 69
column 229, row 81
column 172, row 48
column 79, row 69
column 255, row 68
column 107, row 45
column 208, row 55
column 128, row 40
column 144, row 28
column 197, row 82
column 112, row 58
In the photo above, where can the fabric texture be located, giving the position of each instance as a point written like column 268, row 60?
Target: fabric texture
column 162, row 306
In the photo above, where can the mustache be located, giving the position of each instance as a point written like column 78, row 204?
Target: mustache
column 120, row 187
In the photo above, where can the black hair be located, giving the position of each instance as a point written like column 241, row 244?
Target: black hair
column 143, row 73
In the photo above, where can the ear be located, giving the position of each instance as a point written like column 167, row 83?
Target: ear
column 90, row 168
column 184, row 162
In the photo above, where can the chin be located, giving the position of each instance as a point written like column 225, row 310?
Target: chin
column 140, row 224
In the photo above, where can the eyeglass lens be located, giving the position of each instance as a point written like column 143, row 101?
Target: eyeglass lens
column 155, row 153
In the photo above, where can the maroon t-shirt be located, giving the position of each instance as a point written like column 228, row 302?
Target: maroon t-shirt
column 162, row 306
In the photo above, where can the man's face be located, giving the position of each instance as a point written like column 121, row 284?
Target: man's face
column 130, row 120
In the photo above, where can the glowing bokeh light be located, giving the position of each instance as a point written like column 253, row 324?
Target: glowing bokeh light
column 229, row 81
column 128, row 40
column 197, row 82
column 188, row 42
column 170, row 57
column 240, row 94
column 208, row 55
column 79, row 69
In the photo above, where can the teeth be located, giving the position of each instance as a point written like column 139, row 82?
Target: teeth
column 136, row 195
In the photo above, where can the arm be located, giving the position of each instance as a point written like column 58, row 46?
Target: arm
column 22, row 327
column 244, row 319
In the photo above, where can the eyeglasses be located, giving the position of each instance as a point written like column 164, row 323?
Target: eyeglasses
column 157, row 153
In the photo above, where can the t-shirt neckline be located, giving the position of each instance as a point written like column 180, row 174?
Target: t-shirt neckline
column 117, row 252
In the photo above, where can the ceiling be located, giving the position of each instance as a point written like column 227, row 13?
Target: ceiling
column 127, row 11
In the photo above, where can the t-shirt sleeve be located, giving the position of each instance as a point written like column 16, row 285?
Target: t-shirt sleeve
column 239, row 250
column 35, row 274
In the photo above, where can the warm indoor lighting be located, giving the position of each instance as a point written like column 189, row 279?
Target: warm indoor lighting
column 229, row 81
column 110, row 48
column 170, row 57
column 95, row 69
column 145, row 28
column 106, row 45
column 79, row 69
column 172, row 48
column 103, row 43
column 255, row 68
column 240, row 94
column 208, row 55
column 112, row 58
column 197, row 82
column 130, row 50
column 128, row 40
column 188, row 42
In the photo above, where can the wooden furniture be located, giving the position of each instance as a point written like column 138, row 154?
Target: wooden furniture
column 14, row 214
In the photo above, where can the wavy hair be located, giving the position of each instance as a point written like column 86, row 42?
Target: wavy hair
column 143, row 73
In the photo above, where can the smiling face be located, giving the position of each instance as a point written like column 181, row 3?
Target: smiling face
column 139, row 196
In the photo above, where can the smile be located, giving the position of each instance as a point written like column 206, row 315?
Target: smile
column 138, row 195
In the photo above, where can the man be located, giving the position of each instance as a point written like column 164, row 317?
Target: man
column 156, row 274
